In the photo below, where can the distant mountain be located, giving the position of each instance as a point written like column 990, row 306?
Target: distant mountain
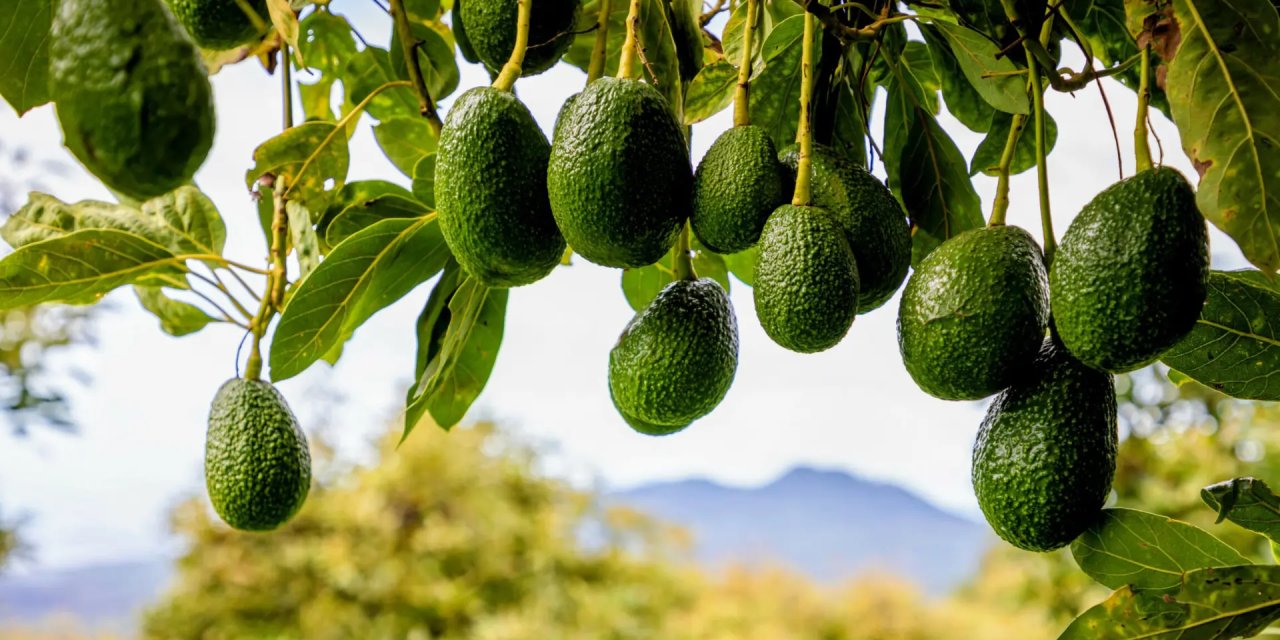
column 827, row 525
column 105, row 597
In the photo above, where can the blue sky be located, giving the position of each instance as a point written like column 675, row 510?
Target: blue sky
column 103, row 494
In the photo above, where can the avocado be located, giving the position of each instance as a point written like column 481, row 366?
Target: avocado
column 974, row 313
column 460, row 33
column 873, row 220
column 619, row 177
column 491, row 190
column 738, row 184
column 1132, row 272
column 132, row 94
column 676, row 359
column 222, row 24
column 806, row 279
column 491, row 31
column 1046, row 452
column 256, row 464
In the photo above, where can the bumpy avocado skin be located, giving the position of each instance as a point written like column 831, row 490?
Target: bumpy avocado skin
column 1131, row 275
column 872, row 218
column 974, row 313
column 491, row 31
column 491, row 190
column 257, row 466
column 806, row 285
column 619, row 177
column 132, row 95
column 220, row 24
column 676, row 359
column 1046, row 452
column 460, row 33
column 737, row 185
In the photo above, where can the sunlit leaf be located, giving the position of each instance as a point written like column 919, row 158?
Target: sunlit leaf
column 177, row 318
column 435, row 58
column 312, row 158
column 405, row 140
column 361, row 204
column 368, row 70
column 1248, row 502
column 961, row 97
column 979, row 57
column 24, row 53
column 1146, row 550
column 326, row 42
column 710, row 92
column 81, row 267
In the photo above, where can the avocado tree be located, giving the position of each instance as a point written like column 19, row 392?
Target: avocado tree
column 783, row 201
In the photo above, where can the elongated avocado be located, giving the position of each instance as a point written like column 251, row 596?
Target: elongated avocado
column 491, row 190
column 257, row 466
column 974, row 313
column 737, row 185
column 619, row 177
column 676, row 359
column 1046, row 452
column 1132, row 272
column 806, row 279
column 132, row 94
column 491, row 31
column 222, row 24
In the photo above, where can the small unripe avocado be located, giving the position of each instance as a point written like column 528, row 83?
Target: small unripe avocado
column 619, row 177
column 132, row 94
column 221, row 24
column 1132, row 273
column 806, row 284
column 974, row 313
column 491, row 190
column 1046, row 452
column 491, row 31
column 257, row 467
column 460, row 33
column 737, row 185
column 872, row 218
column 676, row 359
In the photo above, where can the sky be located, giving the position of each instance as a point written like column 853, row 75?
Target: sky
column 103, row 494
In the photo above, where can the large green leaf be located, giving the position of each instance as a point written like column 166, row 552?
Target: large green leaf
column 312, row 157
column 461, row 327
column 986, row 158
column 742, row 265
column 363, row 203
column 1212, row 604
column 81, row 267
column 1223, row 86
column 978, row 57
column 1146, row 550
column 771, row 15
column 369, row 69
column 775, row 91
column 1235, row 345
column 961, row 97
column 364, row 274
column 326, row 42
column 24, row 52
column 405, row 140
column 177, row 318
column 642, row 285
column 1104, row 25
column 1248, row 502
column 435, row 58
column 710, row 92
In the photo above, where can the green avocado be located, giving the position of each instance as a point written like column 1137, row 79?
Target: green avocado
column 491, row 31
column 256, row 464
column 491, row 190
column 619, row 176
column 132, row 94
column 873, row 220
column 460, row 33
column 806, row 279
column 1132, row 272
column 738, row 184
column 1046, row 452
column 974, row 313
column 676, row 359
column 222, row 24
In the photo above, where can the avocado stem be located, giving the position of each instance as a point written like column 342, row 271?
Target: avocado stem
column 1042, row 163
column 684, row 256
column 1000, row 208
column 409, row 48
column 277, row 278
column 512, row 69
column 627, row 61
column 596, row 68
column 804, row 130
column 286, row 85
column 1141, row 147
column 742, row 96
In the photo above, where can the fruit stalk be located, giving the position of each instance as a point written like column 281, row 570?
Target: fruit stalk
column 596, row 68
column 511, row 70
column 409, row 47
column 1042, row 165
column 1000, row 208
column 286, row 82
column 1141, row 148
column 741, row 96
column 277, row 277
column 684, row 256
column 627, row 62
column 803, row 196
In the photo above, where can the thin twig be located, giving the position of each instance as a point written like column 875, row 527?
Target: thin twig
column 409, row 48
column 711, row 13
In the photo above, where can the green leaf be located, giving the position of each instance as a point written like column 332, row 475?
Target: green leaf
column 24, row 53
column 315, row 99
column 773, row 14
column 742, row 265
column 710, row 92
column 962, row 99
column 987, row 156
column 177, row 318
column 978, row 56
column 1146, row 550
column 302, row 235
column 1212, row 604
column 1223, row 85
column 1103, row 24
column 405, row 140
column 435, row 57
column 917, row 58
column 1248, row 502
column 364, row 274
column 1235, row 345
column 312, row 157
column 81, row 267
column 775, row 92
column 686, row 33
column 361, row 204
column 326, row 42
column 424, row 181
column 285, row 21
column 642, row 285
column 368, row 70
column 579, row 54
column 455, row 365
column 423, row 9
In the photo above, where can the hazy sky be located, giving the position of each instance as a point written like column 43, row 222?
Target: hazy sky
column 103, row 494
